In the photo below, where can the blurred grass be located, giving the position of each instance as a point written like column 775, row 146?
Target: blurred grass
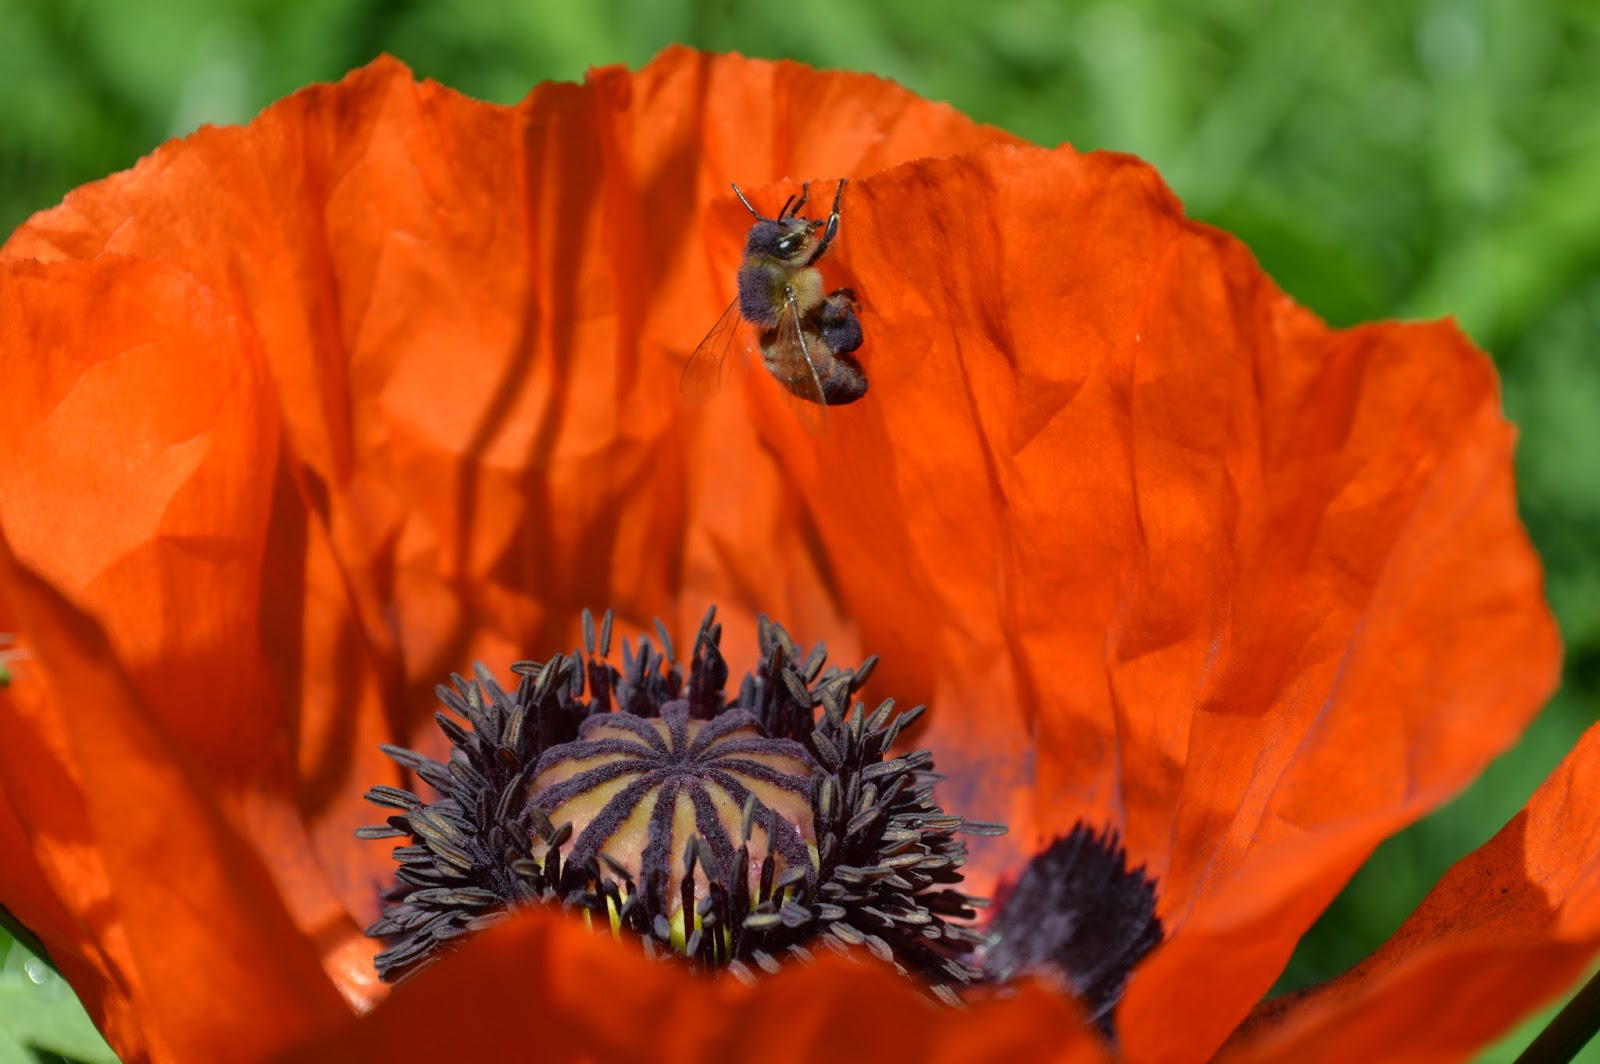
column 1405, row 159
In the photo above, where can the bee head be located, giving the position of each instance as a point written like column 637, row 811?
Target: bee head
column 789, row 240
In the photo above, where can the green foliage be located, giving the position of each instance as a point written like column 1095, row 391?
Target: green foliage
column 40, row 1020
column 1411, row 159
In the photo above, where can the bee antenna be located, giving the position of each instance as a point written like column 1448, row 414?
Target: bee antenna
column 746, row 203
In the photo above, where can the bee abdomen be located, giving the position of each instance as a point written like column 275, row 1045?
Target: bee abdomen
column 840, row 330
column 845, row 382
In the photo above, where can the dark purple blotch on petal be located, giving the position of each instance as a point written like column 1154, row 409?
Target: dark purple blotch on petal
column 1080, row 914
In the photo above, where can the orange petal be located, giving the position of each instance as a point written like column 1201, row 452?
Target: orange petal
column 1506, row 930
column 543, row 982
column 469, row 311
column 326, row 420
column 205, row 952
column 148, row 405
column 1248, row 588
column 1163, row 550
column 1418, row 647
column 425, row 362
column 474, row 318
column 31, row 899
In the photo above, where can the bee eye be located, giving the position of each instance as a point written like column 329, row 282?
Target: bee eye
column 786, row 245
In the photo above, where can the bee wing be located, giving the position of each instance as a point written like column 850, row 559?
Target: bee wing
column 789, row 359
column 706, row 369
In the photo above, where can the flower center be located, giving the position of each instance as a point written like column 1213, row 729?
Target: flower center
column 732, row 833
column 647, row 794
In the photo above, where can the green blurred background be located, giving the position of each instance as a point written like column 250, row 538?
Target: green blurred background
column 1403, row 159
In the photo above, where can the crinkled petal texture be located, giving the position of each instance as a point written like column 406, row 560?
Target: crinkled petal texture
column 298, row 417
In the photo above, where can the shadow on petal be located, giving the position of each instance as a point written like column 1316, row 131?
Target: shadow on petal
column 199, row 943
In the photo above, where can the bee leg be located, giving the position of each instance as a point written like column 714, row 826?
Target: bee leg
column 837, row 322
column 833, row 223
column 791, row 206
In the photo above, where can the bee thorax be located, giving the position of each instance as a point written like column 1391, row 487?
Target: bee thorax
column 764, row 289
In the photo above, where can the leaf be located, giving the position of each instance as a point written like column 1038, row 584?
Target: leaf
column 13, row 1051
column 38, row 1010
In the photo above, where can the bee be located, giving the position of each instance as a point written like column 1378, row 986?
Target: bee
column 806, row 337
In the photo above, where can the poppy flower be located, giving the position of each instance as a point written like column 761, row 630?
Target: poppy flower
column 301, row 417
